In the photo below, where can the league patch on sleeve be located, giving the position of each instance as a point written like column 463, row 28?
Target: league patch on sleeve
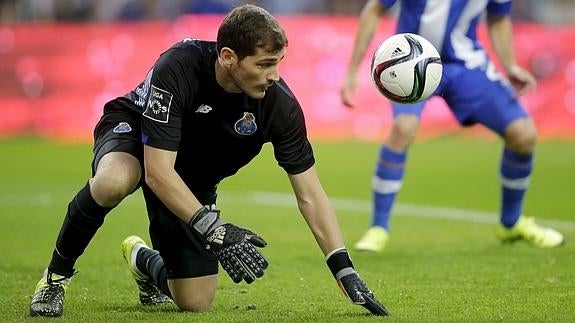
column 158, row 107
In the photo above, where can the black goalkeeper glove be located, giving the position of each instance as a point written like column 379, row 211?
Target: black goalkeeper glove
column 351, row 284
column 235, row 247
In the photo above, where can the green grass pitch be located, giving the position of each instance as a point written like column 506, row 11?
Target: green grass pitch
column 443, row 262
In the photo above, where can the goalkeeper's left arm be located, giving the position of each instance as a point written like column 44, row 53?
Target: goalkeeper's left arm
column 320, row 217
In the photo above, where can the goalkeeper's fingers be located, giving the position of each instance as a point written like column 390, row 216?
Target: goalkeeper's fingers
column 256, row 261
column 358, row 293
column 257, row 241
column 242, row 261
column 238, row 272
column 234, row 269
column 373, row 305
column 252, row 260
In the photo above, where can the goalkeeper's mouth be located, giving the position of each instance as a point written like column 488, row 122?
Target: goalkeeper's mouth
column 261, row 90
column 266, row 87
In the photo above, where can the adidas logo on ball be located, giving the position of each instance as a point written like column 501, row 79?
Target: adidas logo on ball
column 406, row 68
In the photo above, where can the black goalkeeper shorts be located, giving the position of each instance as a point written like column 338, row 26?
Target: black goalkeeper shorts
column 183, row 251
column 185, row 256
column 118, row 130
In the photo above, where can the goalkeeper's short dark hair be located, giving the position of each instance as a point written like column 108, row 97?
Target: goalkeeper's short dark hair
column 249, row 27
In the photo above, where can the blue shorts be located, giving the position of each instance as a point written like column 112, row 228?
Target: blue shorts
column 473, row 96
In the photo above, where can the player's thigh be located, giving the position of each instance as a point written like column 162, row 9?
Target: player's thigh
column 118, row 175
column 194, row 294
column 484, row 97
column 117, row 162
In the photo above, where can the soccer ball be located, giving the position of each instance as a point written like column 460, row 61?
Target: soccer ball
column 406, row 68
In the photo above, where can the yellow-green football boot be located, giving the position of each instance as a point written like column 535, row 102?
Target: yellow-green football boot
column 48, row 298
column 374, row 240
column 526, row 229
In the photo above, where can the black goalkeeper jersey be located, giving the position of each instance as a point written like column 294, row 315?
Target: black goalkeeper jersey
column 215, row 132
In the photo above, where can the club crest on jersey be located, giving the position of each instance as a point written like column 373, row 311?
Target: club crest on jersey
column 122, row 127
column 246, row 125
column 158, row 107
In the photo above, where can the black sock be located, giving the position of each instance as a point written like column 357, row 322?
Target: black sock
column 150, row 263
column 83, row 219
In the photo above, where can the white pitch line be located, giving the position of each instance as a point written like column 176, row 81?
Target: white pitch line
column 339, row 204
column 400, row 209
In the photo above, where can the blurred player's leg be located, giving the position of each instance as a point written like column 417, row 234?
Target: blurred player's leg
column 385, row 184
column 136, row 251
column 515, row 170
column 388, row 178
column 503, row 113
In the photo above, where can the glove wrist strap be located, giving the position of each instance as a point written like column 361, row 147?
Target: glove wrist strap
column 339, row 263
column 204, row 220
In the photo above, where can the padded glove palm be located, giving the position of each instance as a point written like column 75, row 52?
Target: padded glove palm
column 235, row 247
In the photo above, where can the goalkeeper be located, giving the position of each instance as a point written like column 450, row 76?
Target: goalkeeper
column 204, row 111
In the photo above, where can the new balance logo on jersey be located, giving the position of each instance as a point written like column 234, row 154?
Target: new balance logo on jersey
column 204, row 108
column 397, row 51
column 158, row 107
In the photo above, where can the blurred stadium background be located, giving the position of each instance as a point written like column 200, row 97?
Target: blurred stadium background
column 60, row 60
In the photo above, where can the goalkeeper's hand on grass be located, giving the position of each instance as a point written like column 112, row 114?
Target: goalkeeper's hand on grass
column 235, row 247
column 351, row 284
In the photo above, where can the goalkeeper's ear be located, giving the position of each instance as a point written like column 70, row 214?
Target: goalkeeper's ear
column 258, row 241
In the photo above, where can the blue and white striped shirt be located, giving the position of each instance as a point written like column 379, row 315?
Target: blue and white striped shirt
column 450, row 25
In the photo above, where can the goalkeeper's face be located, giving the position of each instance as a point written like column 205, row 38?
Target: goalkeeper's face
column 254, row 74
